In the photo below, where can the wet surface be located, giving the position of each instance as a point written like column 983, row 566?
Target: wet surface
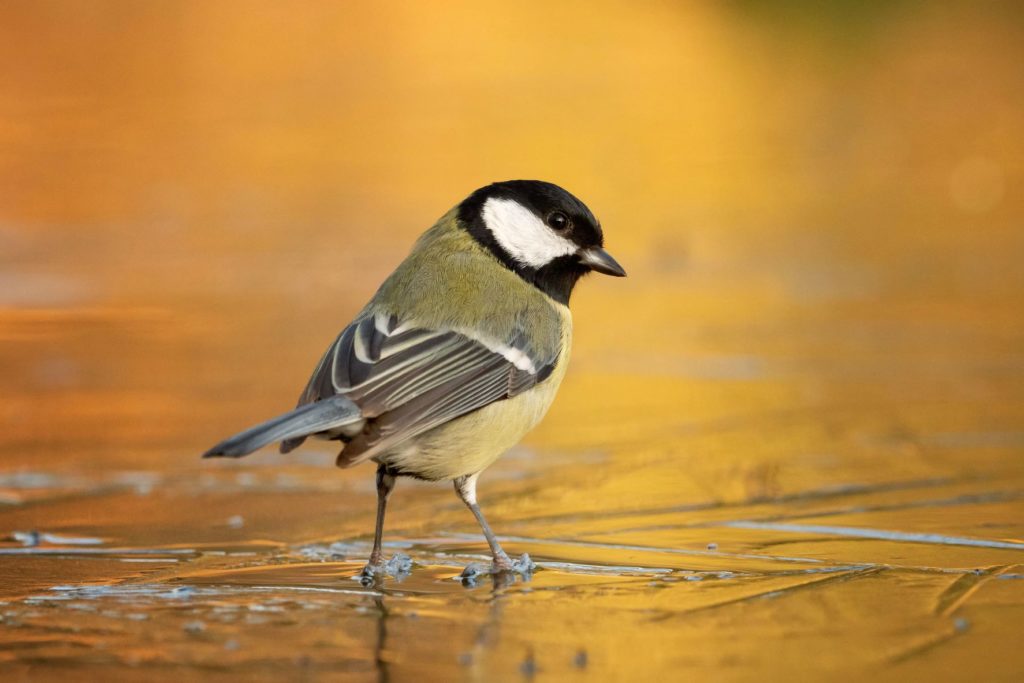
column 790, row 445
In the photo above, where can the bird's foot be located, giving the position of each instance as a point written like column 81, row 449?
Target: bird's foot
column 501, row 567
column 398, row 567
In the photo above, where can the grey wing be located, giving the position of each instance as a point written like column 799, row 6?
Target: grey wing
column 408, row 380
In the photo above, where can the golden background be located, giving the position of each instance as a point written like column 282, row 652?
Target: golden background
column 790, row 444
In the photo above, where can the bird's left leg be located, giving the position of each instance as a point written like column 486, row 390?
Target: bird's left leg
column 399, row 564
column 465, row 487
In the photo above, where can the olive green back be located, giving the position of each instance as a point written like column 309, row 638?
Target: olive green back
column 450, row 281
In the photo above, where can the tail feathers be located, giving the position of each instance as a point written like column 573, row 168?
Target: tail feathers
column 289, row 445
column 330, row 413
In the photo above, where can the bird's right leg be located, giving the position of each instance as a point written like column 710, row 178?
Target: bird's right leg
column 502, row 564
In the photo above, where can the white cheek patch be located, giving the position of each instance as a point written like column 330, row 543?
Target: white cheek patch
column 522, row 234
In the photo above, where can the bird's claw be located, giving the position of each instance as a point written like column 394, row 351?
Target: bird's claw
column 502, row 567
column 398, row 568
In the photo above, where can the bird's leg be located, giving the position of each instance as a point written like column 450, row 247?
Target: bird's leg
column 385, row 485
column 465, row 487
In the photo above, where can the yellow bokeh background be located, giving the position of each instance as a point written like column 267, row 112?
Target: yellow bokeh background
column 819, row 206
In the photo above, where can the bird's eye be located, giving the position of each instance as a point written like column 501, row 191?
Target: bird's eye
column 559, row 221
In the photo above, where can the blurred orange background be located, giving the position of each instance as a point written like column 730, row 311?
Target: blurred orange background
column 819, row 206
column 172, row 172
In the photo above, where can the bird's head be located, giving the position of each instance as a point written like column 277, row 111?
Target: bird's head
column 546, row 235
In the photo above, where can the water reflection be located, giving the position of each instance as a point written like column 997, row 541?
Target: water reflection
column 382, row 635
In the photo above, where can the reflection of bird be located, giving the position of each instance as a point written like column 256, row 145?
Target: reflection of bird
column 460, row 351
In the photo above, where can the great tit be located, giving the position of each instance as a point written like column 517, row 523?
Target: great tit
column 458, row 354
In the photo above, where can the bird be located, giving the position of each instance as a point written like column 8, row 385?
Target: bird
column 458, row 354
